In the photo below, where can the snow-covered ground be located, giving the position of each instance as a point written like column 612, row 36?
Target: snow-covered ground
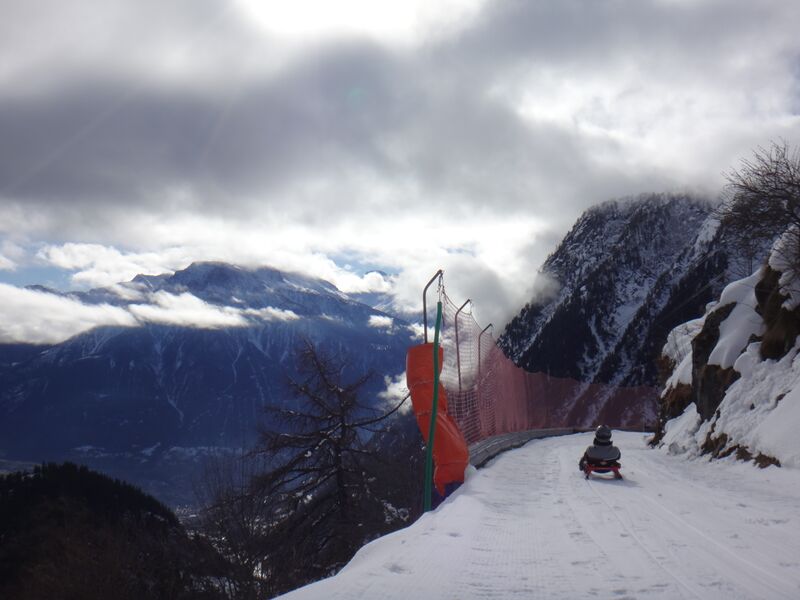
column 529, row 526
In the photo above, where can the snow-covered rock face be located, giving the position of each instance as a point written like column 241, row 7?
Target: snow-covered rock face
column 757, row 415
column 741, row 324
column 134, row 393
column 784, row 259
column 629, row 272
column 678, row 350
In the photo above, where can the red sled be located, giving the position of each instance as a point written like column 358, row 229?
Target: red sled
column 601, row 468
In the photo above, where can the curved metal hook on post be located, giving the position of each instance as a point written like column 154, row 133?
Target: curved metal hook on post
column 425, row 304
column 485, row 329
column 458, row 350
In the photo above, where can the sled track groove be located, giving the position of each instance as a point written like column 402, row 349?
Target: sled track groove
column 764, row 577
column 653, row 558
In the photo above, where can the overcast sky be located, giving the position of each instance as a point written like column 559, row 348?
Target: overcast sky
column 335, row 137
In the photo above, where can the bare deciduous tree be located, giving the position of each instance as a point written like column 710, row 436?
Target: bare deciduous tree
column 233, row 519
column 763, row 200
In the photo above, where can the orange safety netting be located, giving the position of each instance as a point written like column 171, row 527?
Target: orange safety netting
column 485, row 394
column 450, row 453
column 489, row 395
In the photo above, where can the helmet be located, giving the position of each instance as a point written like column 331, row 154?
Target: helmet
column 603, row 433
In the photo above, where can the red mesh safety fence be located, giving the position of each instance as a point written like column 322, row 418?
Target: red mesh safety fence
column 489, row 395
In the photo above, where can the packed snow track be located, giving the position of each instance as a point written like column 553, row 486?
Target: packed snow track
column 530, row 526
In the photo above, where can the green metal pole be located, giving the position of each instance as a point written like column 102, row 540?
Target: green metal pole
column 434, row 409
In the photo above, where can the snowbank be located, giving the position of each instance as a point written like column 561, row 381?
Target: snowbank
column 681, row 431
column 762, row 409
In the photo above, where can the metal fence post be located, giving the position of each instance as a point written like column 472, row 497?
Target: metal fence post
column 434, row 409
column 479, row 349
column 425, row 305
column 458, row 350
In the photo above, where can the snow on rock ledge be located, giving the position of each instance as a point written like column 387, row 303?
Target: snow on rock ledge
column 741, row 324
column 759, row 414
column 680, row 432
column 678, row 349
column 761, row 410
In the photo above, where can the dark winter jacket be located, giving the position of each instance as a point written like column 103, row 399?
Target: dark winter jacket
column 602, row 451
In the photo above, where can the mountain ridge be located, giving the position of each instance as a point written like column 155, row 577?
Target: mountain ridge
column 107, row 395
column 627, row 272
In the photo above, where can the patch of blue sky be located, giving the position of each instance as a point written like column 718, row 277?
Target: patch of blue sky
column 359, row 264
column 47, row 276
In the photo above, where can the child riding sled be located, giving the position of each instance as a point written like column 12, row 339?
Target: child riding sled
column 602, row 456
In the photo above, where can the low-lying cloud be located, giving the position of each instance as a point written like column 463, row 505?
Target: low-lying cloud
column 98, row 265
column 38, row 317
column 186, row 310
column 35, row 317
column 380, row 322
column 271, row 313
column 395, row 391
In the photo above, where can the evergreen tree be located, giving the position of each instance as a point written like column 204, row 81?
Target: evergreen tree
column 68, row 532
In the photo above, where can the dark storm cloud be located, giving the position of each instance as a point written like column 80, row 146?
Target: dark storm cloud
column 109, row 136
column 346, row 106
column 103, row 139
column 100, row 139
column 101, row 129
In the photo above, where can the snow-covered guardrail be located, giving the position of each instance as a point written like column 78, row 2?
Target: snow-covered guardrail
column 483, row 451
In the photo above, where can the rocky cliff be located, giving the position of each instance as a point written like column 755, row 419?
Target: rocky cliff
column 733, row 386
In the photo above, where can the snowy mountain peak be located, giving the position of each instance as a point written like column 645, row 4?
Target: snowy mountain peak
column 205, row 349
column 220, row 281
